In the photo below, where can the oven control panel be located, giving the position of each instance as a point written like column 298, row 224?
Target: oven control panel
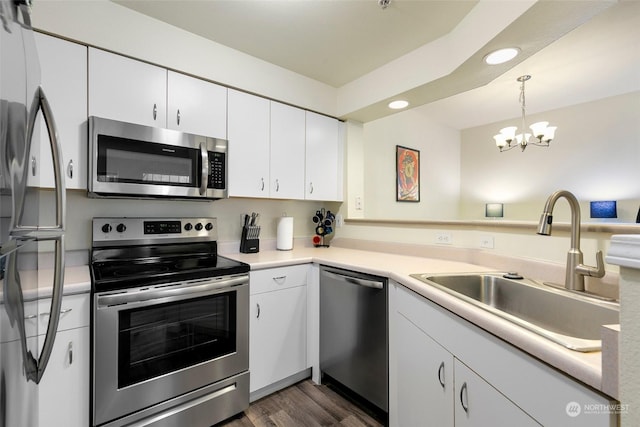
column 129, row 230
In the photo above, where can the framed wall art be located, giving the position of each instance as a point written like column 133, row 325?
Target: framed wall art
column 407, row 174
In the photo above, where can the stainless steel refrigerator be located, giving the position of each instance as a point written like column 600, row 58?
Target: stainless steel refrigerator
column 31, row 253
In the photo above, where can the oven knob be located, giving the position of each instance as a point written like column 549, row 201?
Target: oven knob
column 188, row 226
column 198, row 226
column 209, row 226
column 106, row 228
column 120, row 228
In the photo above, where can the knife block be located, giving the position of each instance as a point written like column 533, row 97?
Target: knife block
column 249, row 241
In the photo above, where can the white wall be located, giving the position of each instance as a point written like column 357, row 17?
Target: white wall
column 81, row 210
column 595, row 155
column 439, row 148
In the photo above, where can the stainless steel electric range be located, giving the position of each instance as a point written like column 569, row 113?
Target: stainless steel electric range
column 170, row 332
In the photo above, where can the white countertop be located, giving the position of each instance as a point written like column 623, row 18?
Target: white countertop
column 585, row 367
column 38, row 284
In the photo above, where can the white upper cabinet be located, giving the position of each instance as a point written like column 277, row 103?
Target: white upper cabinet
column 287, row 151
column 196, row 106
column 127, row 90
column 248, row 135
column 64, row 81
column 132, row 91
column 323, row 158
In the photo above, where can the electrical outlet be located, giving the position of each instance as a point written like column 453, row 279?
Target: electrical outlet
column 486, row 242
column 358, row 203
column 444, row 239
column 339, row 220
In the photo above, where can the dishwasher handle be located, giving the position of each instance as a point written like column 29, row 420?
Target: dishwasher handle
column 354, row 280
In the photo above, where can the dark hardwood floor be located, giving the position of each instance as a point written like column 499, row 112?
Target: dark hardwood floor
column 304, row 404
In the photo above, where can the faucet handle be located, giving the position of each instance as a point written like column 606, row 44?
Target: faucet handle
column 587, row 270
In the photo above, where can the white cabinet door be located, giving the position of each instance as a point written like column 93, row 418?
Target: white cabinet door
column 64, row 81
column 64, row 389
column 479, row 404
column 248, row 135
column 323, row 158
column 287, row 152
column 425, row 378
column 125, row 89
column 196, row 106
column 278, row 345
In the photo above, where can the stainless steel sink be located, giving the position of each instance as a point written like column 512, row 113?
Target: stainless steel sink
column 567, row 318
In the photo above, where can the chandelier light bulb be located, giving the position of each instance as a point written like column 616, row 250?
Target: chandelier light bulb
column 549, row 134
column 509, row 133
column 539, row 129
column 501, row 142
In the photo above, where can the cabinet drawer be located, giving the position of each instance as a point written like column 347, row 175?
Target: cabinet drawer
column 74, row 312
column 273, row 279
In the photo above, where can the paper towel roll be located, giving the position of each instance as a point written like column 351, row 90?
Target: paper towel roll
column 284, row 241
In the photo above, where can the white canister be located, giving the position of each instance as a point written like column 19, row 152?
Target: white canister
column 284, row 241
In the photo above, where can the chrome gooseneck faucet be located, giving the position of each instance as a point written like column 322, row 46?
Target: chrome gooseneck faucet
column 576, row 270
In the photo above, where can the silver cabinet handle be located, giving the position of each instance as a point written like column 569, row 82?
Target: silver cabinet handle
column 70, row 169
column 65, row 311
column 155, row 111
column 441, row 374
column 178, row 117
column 34, row 165
column 70, row 352
column 277, row 185
column 280, row 279
column 262, row 184
column 258, row 307
column 311, row 188
column 464, row 398
column 31, row 316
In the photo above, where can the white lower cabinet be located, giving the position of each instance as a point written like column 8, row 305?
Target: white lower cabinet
column 425, row 378
column 64, row 389
column 448, row 372
column 478, row 404
column 63, row 392
column 278, row 325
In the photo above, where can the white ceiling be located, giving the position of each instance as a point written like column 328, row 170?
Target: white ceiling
column 339, row 42
column 334, row 42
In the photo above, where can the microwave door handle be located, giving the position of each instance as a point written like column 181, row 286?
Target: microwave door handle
column 55, row 233
column 204, row 173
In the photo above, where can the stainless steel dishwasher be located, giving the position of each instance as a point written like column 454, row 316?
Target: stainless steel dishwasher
column 354, row 333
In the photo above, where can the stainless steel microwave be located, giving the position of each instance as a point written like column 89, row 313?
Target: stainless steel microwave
column 129, row 160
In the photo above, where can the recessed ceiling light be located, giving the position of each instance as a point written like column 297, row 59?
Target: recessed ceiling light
column 398, row 105
column 501, row 56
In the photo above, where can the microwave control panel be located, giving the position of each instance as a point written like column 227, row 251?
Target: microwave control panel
column 217, row 166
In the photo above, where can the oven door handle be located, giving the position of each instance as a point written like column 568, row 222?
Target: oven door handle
column 178, row 291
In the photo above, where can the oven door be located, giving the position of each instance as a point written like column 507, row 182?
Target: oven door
column 129, row 160
column 153, row 344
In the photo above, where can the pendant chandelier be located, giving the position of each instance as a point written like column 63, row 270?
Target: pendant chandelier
column 542, row 133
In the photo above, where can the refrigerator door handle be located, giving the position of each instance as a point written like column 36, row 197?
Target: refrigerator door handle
column 40, row 102
column 55, row 233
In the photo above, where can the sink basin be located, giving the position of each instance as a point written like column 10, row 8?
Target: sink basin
column 569, row 319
